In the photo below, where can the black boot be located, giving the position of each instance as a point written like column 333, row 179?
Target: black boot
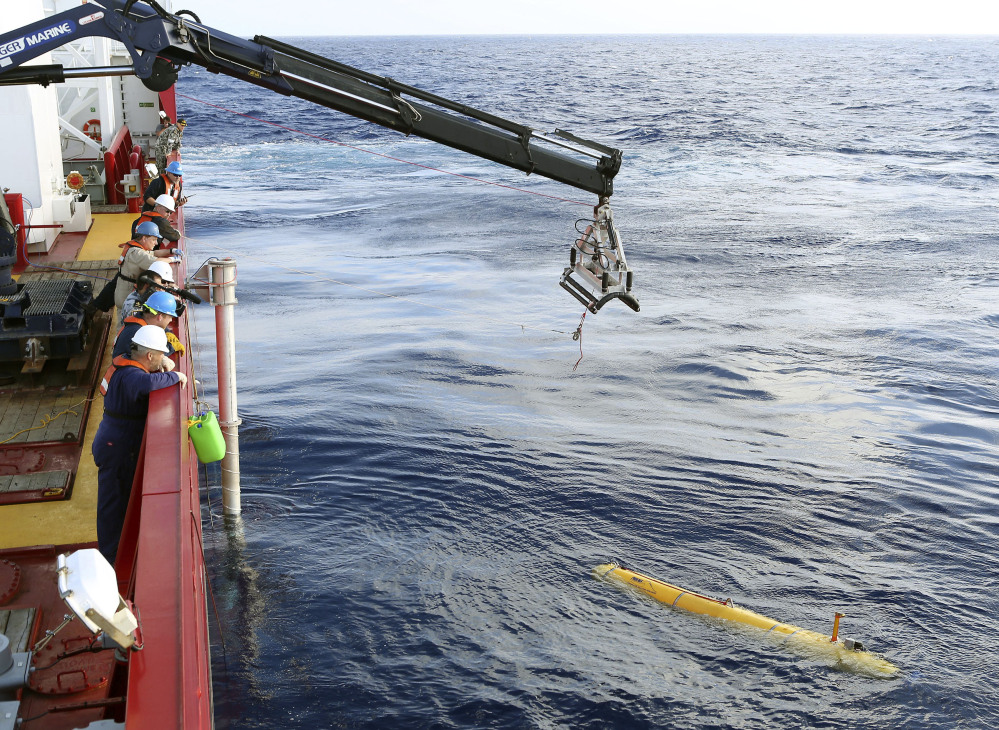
column 105, row 300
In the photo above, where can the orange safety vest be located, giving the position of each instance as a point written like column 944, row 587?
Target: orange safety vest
column 119, row 362
column 127, row 245
column 128, row 320
column 149, row 215
column 172, row 190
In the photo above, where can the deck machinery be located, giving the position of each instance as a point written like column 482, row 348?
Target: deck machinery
column 39, row 320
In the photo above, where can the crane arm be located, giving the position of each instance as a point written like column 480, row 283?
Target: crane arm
column 160, row 43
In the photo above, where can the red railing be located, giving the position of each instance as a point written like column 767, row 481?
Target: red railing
column 169, row 681
column 161, row 568
column 116, row 165
column 15, row 206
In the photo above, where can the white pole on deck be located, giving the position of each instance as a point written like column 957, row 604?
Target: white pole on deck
column 222, row 275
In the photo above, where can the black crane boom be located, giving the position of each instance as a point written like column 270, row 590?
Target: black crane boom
column 160, row 43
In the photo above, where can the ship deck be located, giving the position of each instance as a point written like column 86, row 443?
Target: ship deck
column 48, row 506
column 56, row 452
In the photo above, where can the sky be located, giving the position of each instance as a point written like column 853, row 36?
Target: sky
column 461, row 17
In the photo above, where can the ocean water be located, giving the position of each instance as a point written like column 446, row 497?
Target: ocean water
column 803, row 417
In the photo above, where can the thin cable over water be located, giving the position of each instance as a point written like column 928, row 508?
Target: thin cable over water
column 387, row 157
column 318, row 277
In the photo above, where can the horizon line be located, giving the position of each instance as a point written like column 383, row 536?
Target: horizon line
column 831, row 34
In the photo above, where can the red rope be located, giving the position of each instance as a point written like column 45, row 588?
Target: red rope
column 387, row 157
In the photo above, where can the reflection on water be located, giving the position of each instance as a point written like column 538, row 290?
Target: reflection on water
column 237, row 597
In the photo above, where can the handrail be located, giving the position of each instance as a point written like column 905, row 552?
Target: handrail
column 116, row 165
column 162, row 564
column 169, row 681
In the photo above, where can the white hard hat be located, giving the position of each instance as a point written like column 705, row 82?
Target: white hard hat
column 163, row 269
column 152, row 337
column 166, row 201
column 162, row 113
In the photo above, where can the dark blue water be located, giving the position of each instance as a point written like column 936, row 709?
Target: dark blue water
column 804, row 416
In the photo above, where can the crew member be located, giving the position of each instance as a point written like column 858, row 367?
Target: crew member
column 160, row 215
column 169, row 142
column 147, row 237
column 178, row 139
column 159, row 148
column 126, row 387
column 158, row 310
column 164, row 124
column 150, row 280
column 169, row 182
column 139, row 256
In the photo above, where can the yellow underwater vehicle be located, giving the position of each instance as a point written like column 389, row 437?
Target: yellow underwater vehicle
column 844, row 654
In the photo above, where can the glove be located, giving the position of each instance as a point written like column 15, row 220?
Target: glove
column 177, row 253
column 177, row 346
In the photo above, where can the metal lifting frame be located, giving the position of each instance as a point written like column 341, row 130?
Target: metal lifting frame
column 598, row 263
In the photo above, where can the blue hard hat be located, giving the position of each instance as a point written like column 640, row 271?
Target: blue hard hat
column 148, row 229
column 162, row 303
column 175, row 168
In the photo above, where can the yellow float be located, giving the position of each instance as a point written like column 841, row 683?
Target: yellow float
column 844, row 654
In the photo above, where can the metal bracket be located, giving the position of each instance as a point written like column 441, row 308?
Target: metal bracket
column 120, row 638
column 525, row 139
column 269, row 64
column 404, row 107
column 215, row 282
column 183, row 34
column 598, row 271
column 35, row 355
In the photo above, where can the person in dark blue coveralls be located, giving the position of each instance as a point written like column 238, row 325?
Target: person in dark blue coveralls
column 126, row 387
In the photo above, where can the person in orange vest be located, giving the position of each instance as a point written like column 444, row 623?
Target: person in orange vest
column 117, row 289
column 160, row 309
column 137, row 256
column 160, row 215
column 126, row 387
column 170, row 182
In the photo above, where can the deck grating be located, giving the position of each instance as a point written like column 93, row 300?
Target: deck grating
column 16, row 625
column 105, row 269
column 50, row 411
column 35, row 481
